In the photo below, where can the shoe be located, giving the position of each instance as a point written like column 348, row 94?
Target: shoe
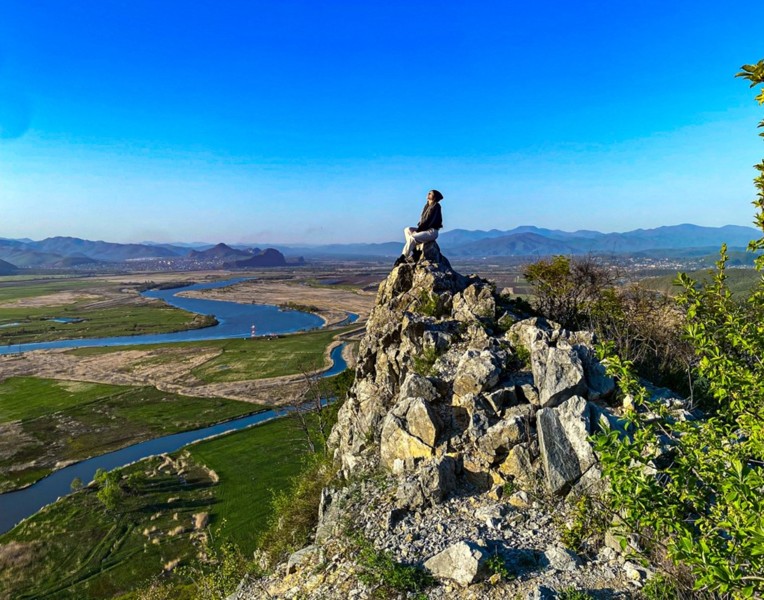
column 400, row 260
column 416, row 255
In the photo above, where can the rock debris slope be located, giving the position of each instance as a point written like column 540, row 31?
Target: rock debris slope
column 464, row 431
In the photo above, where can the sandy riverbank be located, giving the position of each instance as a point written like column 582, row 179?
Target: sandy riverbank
column 332, row 303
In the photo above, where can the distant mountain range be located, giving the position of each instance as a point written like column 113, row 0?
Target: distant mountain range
column 675, row 240
column 536, row 241
column 69, row 252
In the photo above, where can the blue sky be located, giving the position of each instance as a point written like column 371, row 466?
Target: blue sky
column 299, row 121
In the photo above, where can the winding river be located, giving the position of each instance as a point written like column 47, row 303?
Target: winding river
column 235, row 320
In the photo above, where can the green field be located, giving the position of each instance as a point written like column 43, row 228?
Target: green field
column 250, row 464
column 740, row 281
column 113, row 317
column 52, row 554
column 29, row 289
column 262, row 358
column 243, row 359
column 45, row 421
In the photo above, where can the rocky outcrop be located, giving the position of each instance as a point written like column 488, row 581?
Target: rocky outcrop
column 437, row 376
column 471, row 413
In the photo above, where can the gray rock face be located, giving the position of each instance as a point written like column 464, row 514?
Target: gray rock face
column 503, row 398
column 518, row 465
column 463, row 563
column 432, row 484
column 416, row 386
column 497, row 441
column 476, row 302
column 557, row 372
column 431, row 252
column 599, row 383
column 560, row 559
column 528, row 331
column 329, row 514
column 565, row 452
column 477, row 371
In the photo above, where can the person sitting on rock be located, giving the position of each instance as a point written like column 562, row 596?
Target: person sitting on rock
column 426, row 230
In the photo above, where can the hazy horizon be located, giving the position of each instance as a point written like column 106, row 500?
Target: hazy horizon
column 308, row 243
column 295, row 122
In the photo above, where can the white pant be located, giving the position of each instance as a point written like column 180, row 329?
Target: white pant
column 413, row 238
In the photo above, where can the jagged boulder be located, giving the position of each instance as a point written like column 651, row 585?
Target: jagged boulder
column 557, row 372
column 329, row 513
column 498, row 439
column 304, row 558
column 463, row 563
column 502, row 398
column 477, row 372
column 417, row 386
column 519, row 465
column 475, row 303
column 431, row 484
column 454, row 411
column 409, row 432
column 566, row 453
column 560, row 559
column 430, row 251
column 529, row 331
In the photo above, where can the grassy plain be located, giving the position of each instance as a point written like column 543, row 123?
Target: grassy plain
column 740, row 281
column 44, row 422
column 259, row 359
column 97, row 308
column 52, row 554
column 238, row 359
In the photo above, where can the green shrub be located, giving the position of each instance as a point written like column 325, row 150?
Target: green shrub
column 508, row 488
column 109, row 493
column 219, row 571
column 156, row 589
column 660, row 587
column 505, row 322
column 521, row 356
column 564, row 288
column 702, row 507
column 428, row 304
column 425, row 361
column 587, row 527
column 571, row 593
column 378, row 568
column 496, row 565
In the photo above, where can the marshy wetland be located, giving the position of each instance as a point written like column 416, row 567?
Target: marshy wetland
column 61, row 406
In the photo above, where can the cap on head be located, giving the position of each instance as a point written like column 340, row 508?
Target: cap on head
column 437, row 195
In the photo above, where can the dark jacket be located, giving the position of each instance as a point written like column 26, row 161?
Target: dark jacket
column 431, row 218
